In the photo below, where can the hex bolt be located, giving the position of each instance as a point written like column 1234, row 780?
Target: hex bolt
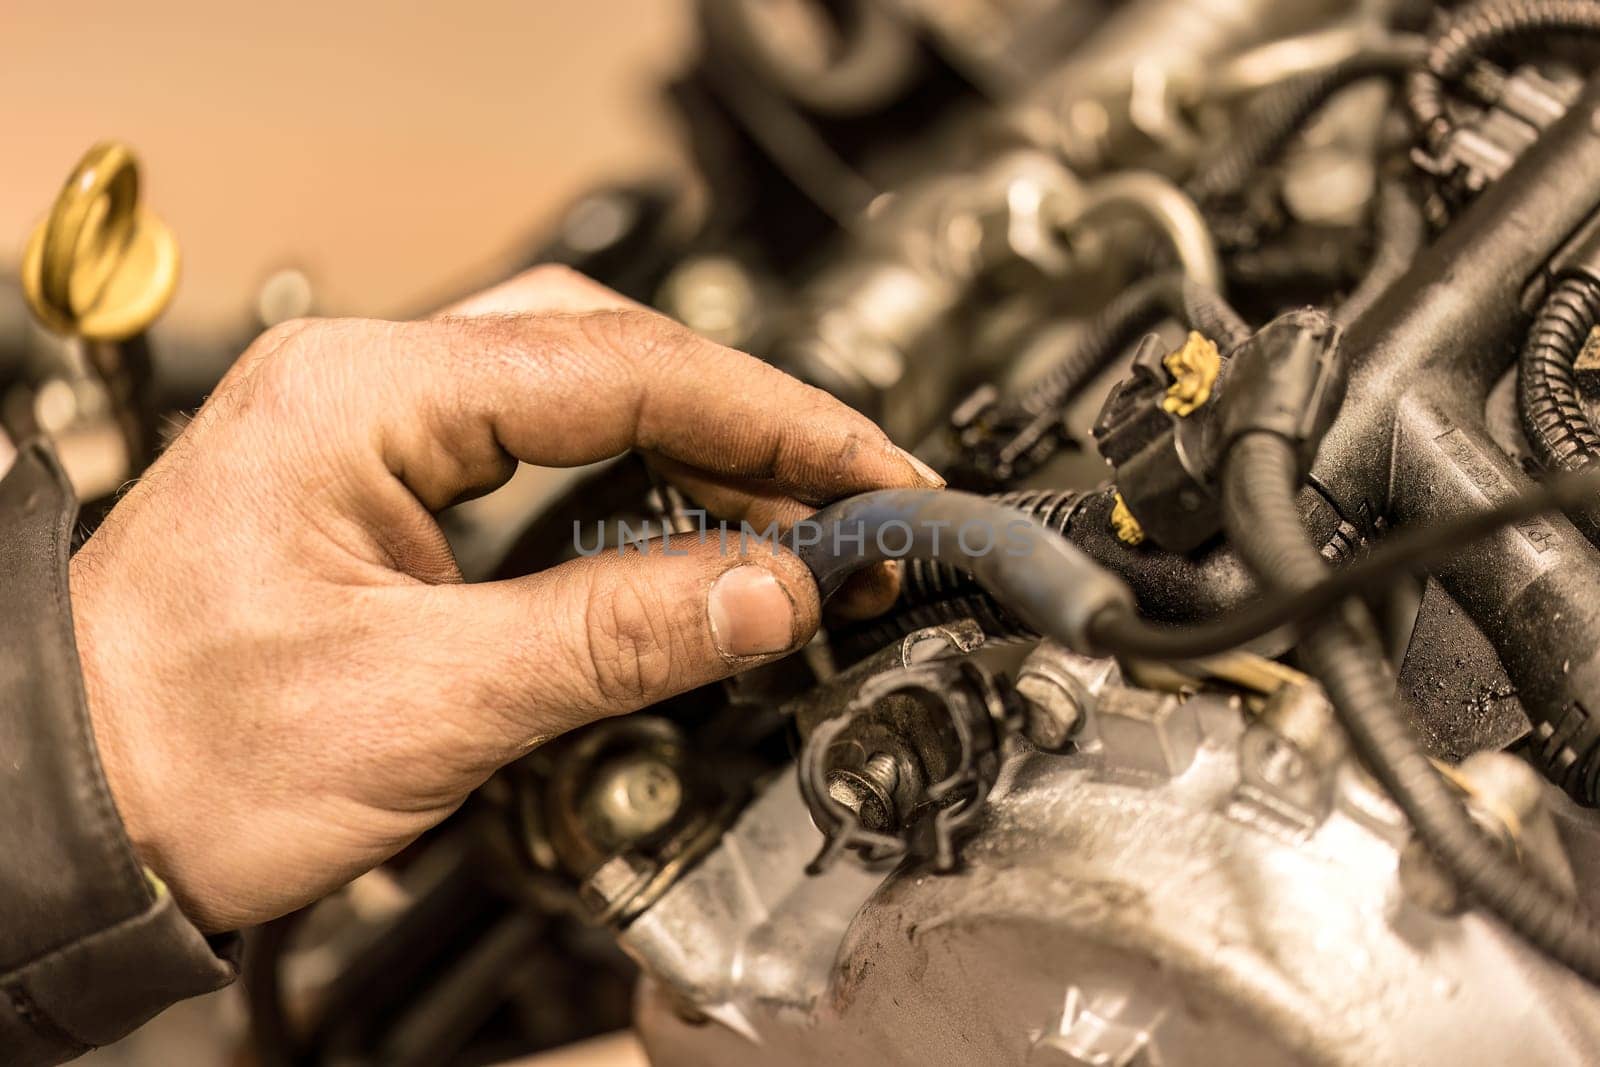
column 1052, row 714
column 611, row 886
column 1059, row 689
column 1292, row 753
column 1300, row 715
column 869, row 792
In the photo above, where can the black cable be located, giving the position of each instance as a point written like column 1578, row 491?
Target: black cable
column 1260, row 480
column 1398, row 232
column 1410, row 549
column 1557, row 428
column 1273, row 116
column 1116, row 326
column 1473, row 33
column 1205, row 310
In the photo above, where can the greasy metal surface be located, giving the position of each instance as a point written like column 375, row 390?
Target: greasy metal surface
column 1411, row 445
column 1104, row 913
column 1458, row 693
column 748, row 925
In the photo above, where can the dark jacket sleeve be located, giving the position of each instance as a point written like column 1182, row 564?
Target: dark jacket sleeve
column 90, row 944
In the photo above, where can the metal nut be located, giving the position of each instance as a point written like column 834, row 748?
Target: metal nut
column 1053, row 712
column 615, row 882
column 1059, row 689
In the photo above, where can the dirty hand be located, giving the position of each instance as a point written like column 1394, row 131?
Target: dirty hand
column 288, row 680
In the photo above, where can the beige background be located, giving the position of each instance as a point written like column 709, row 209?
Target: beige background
column 392, row 150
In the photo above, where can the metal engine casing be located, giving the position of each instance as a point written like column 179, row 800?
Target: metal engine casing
column 1170, row 894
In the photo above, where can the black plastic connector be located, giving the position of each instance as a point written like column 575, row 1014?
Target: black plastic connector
column 1287, row 380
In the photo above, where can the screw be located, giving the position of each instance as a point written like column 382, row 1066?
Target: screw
column 869, row 792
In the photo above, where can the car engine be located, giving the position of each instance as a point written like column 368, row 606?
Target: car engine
column 1270, row 331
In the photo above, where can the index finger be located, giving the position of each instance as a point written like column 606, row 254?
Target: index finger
column 571, row 388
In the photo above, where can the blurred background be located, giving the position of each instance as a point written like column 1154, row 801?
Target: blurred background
column 393, row 152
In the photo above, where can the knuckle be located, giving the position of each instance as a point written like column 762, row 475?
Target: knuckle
column 276, row 338
column 642, row 335
column 630, row 646
column 289, row 346
column 257, row 373
column 494, row 337
column 278, row 379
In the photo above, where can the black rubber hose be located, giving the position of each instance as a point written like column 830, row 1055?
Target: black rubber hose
column 934, row 593
column 1274, row 115
column 1167, row 586
column 1205, row 310
column 1260, row 480
column 1212, row 586
column 1048, row 583
column 1557, row 428
column 924, row 581
column 1130, row 313
column 1473, row 33
column 1399, row 230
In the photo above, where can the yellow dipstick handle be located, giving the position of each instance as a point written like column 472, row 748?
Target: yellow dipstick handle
column 100, row 266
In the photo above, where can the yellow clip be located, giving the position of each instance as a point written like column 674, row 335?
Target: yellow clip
column 100, row 266
column 1194, row 369
column 1127, row 528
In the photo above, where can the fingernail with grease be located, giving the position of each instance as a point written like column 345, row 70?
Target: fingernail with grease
column 928, row 474
column 750, row 612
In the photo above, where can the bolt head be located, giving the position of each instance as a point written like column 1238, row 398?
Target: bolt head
column 868, row 800
column 634, row 797
column 616, row 881
column 1051, row 714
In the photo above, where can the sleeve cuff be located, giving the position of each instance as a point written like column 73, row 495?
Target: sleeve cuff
column 90, row 946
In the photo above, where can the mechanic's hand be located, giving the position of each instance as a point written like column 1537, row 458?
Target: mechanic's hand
column 288, row 680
